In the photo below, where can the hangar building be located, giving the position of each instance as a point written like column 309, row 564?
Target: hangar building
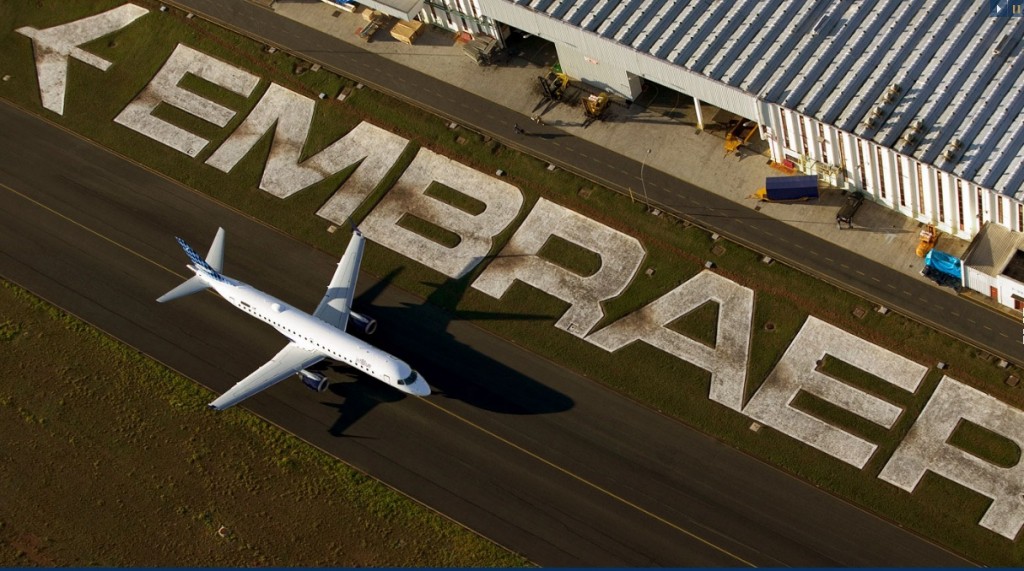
column 919, row 103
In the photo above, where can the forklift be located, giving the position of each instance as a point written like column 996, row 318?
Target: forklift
column 553, row 85
column 594, row 107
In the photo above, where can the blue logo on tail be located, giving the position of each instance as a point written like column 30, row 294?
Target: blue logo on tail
column 198, row 260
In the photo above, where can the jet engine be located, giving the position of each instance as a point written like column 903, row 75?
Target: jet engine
column 314, row 381
column 366, row 323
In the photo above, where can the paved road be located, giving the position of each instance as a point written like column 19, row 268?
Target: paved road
column 990, row 330
column 539, row 459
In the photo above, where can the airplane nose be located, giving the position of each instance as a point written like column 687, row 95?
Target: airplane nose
column 420, row 388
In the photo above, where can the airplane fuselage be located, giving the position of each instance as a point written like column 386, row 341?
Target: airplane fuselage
column 311, row 333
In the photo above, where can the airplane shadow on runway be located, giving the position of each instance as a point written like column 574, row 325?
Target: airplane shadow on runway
column 418, row 334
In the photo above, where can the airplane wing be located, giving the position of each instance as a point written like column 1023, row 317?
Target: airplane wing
column 335, row 307
column 286, row 363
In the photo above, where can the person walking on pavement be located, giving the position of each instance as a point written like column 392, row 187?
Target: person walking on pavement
column 518, row 130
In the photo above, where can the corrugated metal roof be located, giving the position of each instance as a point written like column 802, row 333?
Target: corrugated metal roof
column 927, row 71
column 992, row 249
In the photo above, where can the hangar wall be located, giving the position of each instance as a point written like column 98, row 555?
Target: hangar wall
column 915, row 189
column 458, row 16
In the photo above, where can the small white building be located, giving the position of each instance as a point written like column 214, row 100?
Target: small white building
column 918, row 103
column 994, row 265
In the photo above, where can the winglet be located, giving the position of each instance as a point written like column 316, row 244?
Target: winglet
column 355, row 229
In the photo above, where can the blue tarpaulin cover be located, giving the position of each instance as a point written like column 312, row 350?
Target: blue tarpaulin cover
column 791, row 187
column 943, row 262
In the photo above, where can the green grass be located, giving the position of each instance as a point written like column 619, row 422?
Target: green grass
column 985, row 444
column 112, row 444
column 431, row 231
column 701, row 324
column 677, row 252
column 455, row 198
column 570, row 256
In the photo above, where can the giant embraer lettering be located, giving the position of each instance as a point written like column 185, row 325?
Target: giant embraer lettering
column 374, row 151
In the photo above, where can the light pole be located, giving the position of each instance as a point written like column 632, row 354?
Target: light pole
column 642, row 183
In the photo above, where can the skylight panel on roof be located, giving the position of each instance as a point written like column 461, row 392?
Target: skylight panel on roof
column 562, row 7
column 699, row 32
column 959, row 104
column 748, row 60
column 637, row 32
column 725, row 32
column 739, row 39
column 542, row 5
column 776, row 53
column 651, row 36
column 692, row 13
column 798, row 48
column 602, row 28
column 1012, row 180
column 993, row 139
column 903, row 71
column 597, row 17
column 637, row 13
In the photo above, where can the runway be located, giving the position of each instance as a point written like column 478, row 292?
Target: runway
column 532, row 456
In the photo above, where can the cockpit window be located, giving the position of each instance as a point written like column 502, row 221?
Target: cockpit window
column 408, row 380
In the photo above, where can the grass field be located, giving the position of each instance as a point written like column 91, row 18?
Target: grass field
column 676, row 251
column 109, row 459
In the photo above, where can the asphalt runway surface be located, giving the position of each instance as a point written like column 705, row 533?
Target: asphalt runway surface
column 992, row 331
column 541, row 460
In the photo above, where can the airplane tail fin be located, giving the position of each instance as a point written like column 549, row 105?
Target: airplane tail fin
column 215, row 257
column 212, row 265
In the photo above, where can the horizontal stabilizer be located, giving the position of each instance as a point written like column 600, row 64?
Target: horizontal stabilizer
column 189, row 287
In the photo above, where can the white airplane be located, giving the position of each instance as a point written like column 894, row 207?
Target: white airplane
column 312, row 338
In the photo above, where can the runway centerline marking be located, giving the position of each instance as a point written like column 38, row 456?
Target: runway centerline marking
column 465, row 421
column 90, row 230
column 587, row 482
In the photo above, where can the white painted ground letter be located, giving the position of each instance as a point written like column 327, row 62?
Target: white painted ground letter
column 502, row 202
column 285, row 175
column 621, row 255
column 726, row 361
column 53, row 46
column 797, row 371
column 163, row 88
column 927, row 447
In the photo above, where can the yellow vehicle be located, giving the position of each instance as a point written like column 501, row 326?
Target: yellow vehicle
column 929, row 237
column 739, row 135
column 554, row 84
column 594, row 107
